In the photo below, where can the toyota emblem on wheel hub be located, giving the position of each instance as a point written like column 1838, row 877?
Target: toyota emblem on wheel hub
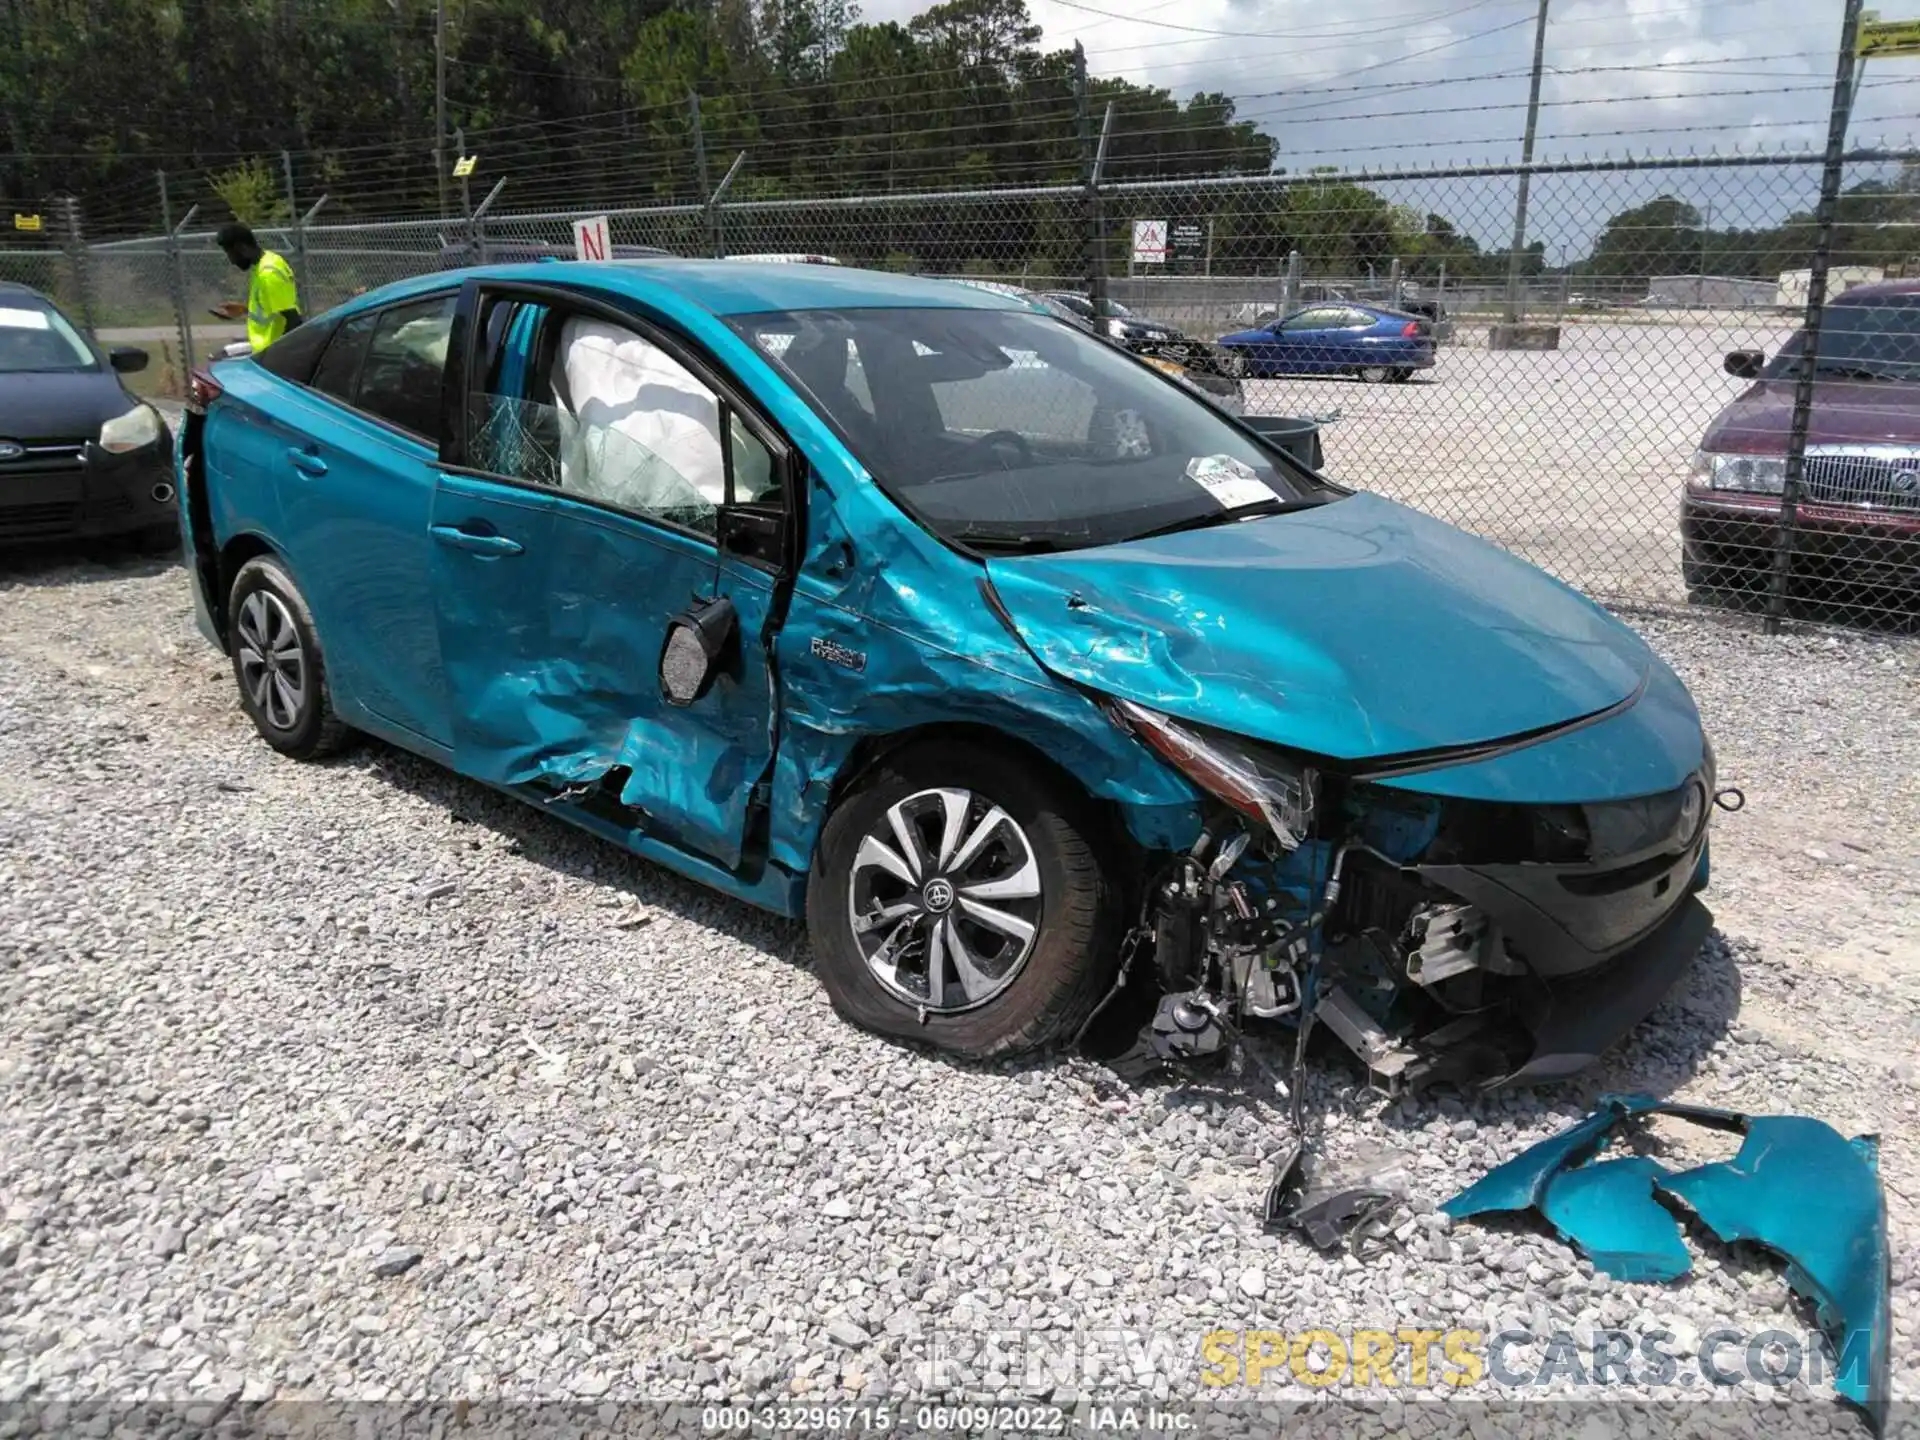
column 938, row 895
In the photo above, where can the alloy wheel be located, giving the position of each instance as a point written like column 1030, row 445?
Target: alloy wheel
column 945, row 900
column 273, row 665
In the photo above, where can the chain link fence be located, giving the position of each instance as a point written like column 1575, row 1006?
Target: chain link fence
column 1611, row 400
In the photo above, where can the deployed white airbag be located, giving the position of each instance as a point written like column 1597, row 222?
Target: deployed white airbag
column 636, row 429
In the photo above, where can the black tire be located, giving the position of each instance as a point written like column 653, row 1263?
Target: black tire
column 307, row 728
column 1401, row 376
column 1374, row 374
column 1075, row 946
column 156, row 540
column 1714, row 582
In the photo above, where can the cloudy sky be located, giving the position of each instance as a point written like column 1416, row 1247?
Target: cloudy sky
column 1387, row 83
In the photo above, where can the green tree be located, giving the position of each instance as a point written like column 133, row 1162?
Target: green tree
column 252, row 192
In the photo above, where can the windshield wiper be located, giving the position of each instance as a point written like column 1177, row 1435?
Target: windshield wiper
column 1014, row 542
column 1851, row 372
column 1254, row 511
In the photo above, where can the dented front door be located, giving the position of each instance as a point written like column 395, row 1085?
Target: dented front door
column 580, row 523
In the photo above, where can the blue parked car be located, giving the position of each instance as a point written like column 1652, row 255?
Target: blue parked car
column 1005, row 660
column 1337, row 338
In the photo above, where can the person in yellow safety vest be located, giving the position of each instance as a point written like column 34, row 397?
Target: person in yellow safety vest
column 273, row 301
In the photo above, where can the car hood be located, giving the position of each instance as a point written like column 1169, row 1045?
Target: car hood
column 1354, row 630
column 1845, row 412
column 1137, row 329
column 59, row 406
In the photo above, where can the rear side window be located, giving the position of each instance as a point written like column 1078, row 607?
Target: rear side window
column 339, row 368
column 406, row 358
column 294, row 355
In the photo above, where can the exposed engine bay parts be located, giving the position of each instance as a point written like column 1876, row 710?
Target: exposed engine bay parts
column 1437, row 938
column 1797, row 1187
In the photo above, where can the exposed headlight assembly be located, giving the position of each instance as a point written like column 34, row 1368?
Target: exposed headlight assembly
column 1753, row 474
column 1262, row 785
column 1117, row 329
column 135, row 430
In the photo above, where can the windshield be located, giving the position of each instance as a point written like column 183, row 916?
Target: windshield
column 1869, row 341
column 1007, row 429
column 35, row 337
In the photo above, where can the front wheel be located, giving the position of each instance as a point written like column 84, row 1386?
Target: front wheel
column 958, row 898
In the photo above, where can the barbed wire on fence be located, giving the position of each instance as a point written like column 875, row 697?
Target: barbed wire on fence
column 1579, row 409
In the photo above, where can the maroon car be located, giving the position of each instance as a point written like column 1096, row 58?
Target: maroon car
column 1859, row 512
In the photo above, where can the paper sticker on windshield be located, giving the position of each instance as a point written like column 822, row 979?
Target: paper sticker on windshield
column 15, row 319
column 1232, row 482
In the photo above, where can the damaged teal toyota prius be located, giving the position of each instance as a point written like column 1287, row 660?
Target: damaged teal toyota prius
column 1010, row 663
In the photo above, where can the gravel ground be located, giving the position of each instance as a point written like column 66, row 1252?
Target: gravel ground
column 360, row 1081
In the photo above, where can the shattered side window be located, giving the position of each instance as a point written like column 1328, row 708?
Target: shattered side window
column 591, row 408
column 637, row 428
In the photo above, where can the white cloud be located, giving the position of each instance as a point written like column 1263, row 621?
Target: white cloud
column 1405, row 81
column 1384, row 84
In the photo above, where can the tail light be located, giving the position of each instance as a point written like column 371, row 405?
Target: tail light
column 1412, row 330
column 202, row 391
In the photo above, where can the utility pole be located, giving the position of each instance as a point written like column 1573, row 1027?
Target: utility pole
column 440, row 100
column 1526, row 159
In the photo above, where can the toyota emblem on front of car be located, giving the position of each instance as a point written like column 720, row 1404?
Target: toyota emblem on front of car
column 11, row 450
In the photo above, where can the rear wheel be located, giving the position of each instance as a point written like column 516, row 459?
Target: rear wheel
column 1374, row 374
column 958, row 898
column 1401, row 375
column 278, row 664
column 1713, row 580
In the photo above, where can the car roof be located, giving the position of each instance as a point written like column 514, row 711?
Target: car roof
column 1878, row 290
column 721, row 287
column 17, row 287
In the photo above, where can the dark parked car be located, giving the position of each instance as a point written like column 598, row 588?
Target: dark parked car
column 1153, row 339
column 80, row 457
column 1859, row 514
column 1223, row 390
column 1346, row 338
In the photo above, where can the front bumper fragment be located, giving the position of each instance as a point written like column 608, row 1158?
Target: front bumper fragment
column 1574, row 1021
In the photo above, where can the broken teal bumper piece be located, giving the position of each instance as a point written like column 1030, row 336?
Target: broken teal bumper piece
column 1805, row 1192
column 1614, row 1199
column 1797, row 1187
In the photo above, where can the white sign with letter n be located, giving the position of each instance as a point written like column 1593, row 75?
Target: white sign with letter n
column 590, row 239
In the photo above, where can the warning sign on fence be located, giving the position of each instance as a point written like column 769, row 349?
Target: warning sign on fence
column 1886, row 39
column 1149, row 242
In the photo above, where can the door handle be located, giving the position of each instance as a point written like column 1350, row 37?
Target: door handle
column 477, row 544
column 307, row 462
